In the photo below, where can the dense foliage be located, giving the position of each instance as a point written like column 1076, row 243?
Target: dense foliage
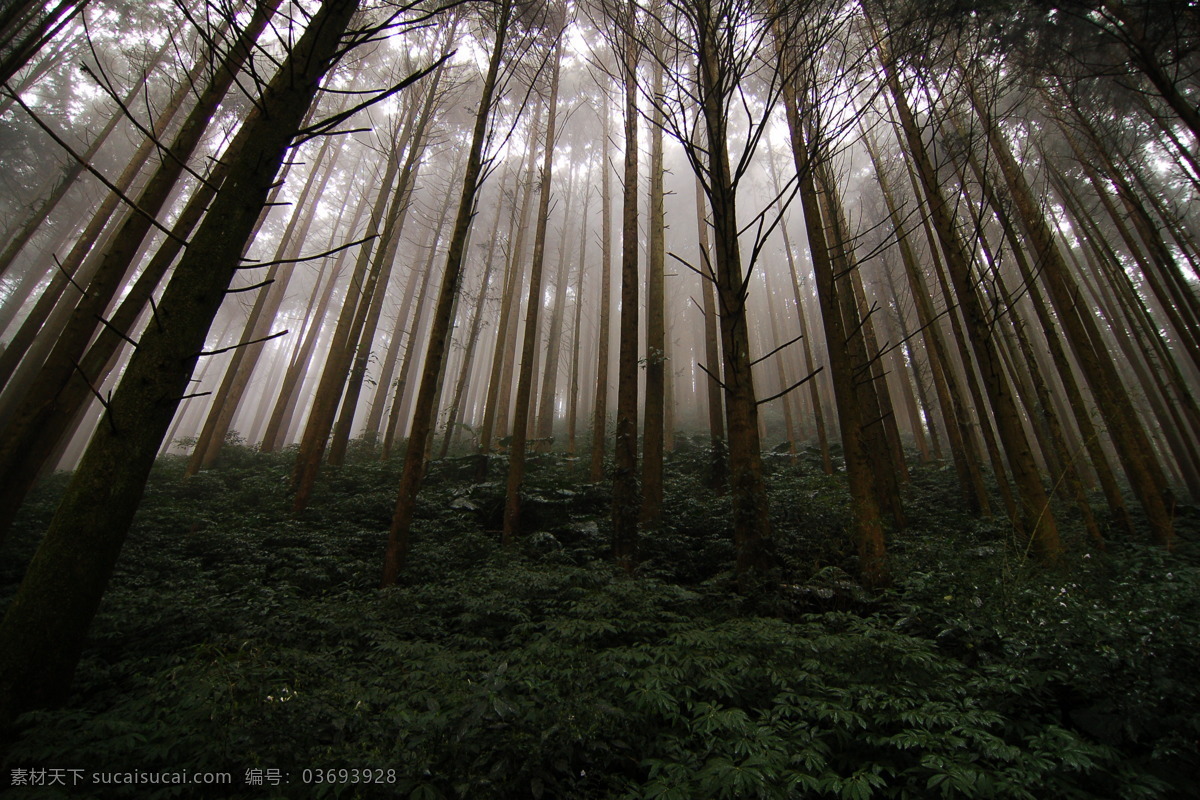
column 236, row 637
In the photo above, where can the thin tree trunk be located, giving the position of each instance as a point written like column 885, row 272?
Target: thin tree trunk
column 241, row 367
column 333, row 375
column 275, row 435
column 1036, row 517
column 1133, row 446
column 521, row 410
column 414, row 458
column 654, row 415
column 396, row 418
column 549, row 387
column 502, row 357
column 626, row 503
column 577, row 349
column 718, row 470
column 604, row 326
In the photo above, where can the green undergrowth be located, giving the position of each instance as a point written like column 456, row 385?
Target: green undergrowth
column 237, row 636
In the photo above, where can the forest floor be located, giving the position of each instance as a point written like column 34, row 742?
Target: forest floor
column 239, row 638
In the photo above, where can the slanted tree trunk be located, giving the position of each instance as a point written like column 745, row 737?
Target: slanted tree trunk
column 42, row 635
column 855, row 325
column 337, row 362
column 64, row 381
column 810, row 367
column 495, row 414
column 27, row 26
column 416, row 138
column 1124, row 425
column 867, row 532
column 1036, row 517
column 258, row 324
column 945, row 381
column 18, row 240
column 414, row 457
column 280, row 421
column 400, row 393
column 78, row 267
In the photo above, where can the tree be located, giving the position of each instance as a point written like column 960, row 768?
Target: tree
column 32, row 432
column 521, row 411
column 626, row 502
column 413, row 471
column 45, row 624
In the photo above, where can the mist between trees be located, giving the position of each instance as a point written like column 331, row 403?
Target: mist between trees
column 887, row 233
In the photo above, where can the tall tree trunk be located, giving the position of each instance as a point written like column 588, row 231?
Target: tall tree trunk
column 65, row 380
column 396, row 418
column 950, row 394
column 414, row 457
column 549, row 387
column 626, row 503
column 604, row 326
column 78, row 267
column 521, row 411
column 42, row 635
column 280, row 421
column 258, row 324
column 867, row 532
column 499, row 377
column 718, row 473
column 1036, row 517
column 389, row 243
column 1132, row 444
column 576, row 348
column 337, row 361
column 751, row 517
column 654, row 415
column 455, row 411
column 805, row 340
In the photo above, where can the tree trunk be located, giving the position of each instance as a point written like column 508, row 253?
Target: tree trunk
column 499, row 379
column 1133, row 446
column 604, row 326
column 43, row 631
column 549, row 387
column 751, row 517
column 718, row 475
column 329, row 390
column 414, row 457
column 576, row 350
column 57, row 394
column 521, row 410
column 400, row 393
column 654, row 415
column 280, row 421
column 626, row 503
column 1036, row 516
column 258, row 324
